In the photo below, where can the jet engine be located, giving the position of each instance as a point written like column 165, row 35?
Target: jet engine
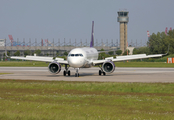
column 54, row 67
column 108, row 67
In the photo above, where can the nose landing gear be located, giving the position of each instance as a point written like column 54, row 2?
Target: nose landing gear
column 66, row 71
column 77, row 74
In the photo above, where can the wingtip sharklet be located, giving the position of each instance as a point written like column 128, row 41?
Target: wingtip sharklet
column 168, row 50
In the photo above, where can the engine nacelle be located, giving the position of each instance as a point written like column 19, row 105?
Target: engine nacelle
column 108, row 67
column 54, row 67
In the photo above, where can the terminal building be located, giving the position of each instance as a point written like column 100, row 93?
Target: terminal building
column 51, row 51
column 2, row 42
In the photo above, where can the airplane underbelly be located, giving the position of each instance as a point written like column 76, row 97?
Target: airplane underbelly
column 87, row 66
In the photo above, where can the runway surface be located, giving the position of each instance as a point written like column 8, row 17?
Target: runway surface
column 91, row 74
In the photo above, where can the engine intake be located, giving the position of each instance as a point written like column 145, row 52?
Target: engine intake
column 54, row 67
column 108, row 67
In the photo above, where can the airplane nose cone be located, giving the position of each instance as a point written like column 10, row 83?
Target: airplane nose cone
column 76, row 63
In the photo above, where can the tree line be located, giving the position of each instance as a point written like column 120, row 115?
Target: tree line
column 158, row 44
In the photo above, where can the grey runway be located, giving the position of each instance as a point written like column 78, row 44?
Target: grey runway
column 91, row 74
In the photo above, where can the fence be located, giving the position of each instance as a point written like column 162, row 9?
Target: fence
column 54, row 46
column 75, row 43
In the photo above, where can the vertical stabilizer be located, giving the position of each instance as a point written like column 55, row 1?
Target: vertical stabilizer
column 92, row 35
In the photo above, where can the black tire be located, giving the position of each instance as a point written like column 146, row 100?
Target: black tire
column 69, row 73
column 64, row 73
column 99, row 72
column 104, row 73
column 77, row 75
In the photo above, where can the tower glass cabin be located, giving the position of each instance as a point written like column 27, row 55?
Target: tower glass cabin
column 123, row 20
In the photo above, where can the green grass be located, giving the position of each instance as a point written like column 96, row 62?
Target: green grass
column 118, row 64
column 4, row 73
column 44, row 100
column 23, row 64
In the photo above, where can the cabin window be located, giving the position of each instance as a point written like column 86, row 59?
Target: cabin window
column 76, row 54
column 72, row 55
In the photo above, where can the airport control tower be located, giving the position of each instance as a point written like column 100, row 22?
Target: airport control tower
column 123, row 19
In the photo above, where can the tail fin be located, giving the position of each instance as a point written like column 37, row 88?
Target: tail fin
column 92, row 35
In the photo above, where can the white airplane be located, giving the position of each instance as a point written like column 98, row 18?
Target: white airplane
column 84, row 58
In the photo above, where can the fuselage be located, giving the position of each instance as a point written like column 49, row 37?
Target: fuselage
column 82, row 57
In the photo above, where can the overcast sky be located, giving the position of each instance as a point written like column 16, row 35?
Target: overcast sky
column 72, row 19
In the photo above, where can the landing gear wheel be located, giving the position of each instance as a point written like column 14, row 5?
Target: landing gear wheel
column 104, row 73
column 77, row 74
column 64, row 73
column 99, row 72
column 69, row 73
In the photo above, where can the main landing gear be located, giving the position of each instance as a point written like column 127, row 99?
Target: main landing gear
column 66, row 71
column 101, row 71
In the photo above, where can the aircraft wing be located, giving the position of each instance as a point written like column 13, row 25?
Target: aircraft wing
column 124, row 58
column 43, row 59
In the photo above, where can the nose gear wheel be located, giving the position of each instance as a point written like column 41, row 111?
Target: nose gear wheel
column 77, row 74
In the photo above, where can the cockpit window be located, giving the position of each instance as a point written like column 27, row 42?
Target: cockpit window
column 76, row 55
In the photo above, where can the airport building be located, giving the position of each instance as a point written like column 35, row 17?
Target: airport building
column 50, row 50
column 2, row 42
column 59, row 47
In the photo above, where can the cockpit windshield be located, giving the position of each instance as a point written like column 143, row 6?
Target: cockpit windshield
column 76, row 55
